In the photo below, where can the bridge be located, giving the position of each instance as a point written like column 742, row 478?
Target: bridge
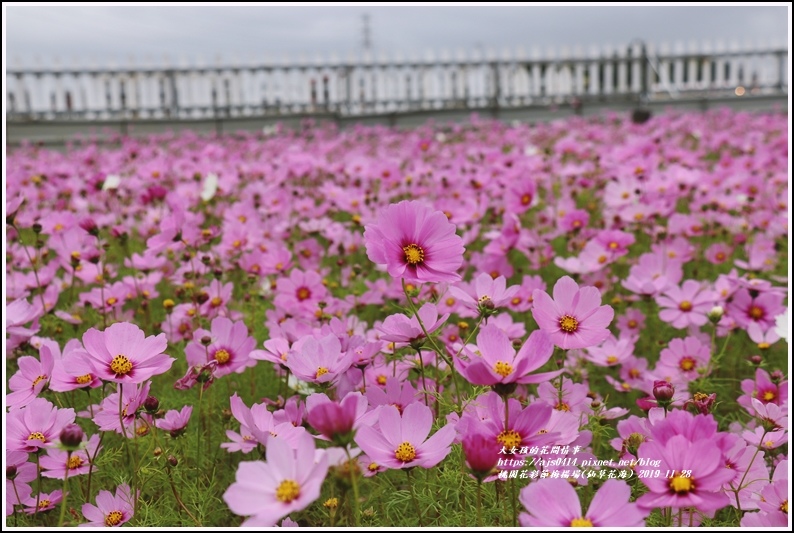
column 47, row 104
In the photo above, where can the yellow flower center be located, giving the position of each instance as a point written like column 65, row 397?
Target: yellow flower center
column 682, row 485
column 568, row 324
column 632, row 324
column 216, row 302
column 756, row 313
column 509, row 438
column 687, row 363
column 38, row 380
column 82, row 380
column 526, row 199
column 634, row 373
column 74, row 462
column 562, row 406
column 121, row 365
column 503, row 369
column 763, row 345
column 613, row 245
column 43, row 504
column 37, row 435
column 612, row 359
column 720, row 256
column 581, row 522
column 222, row 356
column 685, row 306
column 381, row 379
column 112, row 300
column 405, row 452
column 303, row 294
column 321, row 371
column 372, row 467
column 414, row 254
column 237, row 243
column 287, row 491
column 769, row 396
column 113, row 518
column 625, row 386
column 450, row 301
column 769, row 444
column 784, row 506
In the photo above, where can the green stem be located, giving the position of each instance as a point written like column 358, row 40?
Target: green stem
column 422, row 374
column 198, row 430
column 479, row 503
column 354, row 482
column 63, row 491
column 91, row 465
column 432, row 341
column 178, row 499
column 38, row 472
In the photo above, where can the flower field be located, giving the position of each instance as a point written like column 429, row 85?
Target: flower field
column 579, row 323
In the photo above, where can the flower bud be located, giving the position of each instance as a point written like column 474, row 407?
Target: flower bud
column 756, row 360
column 206, row 340
column 11, row 471
column 716, row 314
column 71, row 437
column 172, row 460
column 36, row 227
column 89, row 225
column 633, row 443
column 776, row 376
column 663, row 391
column 151, row 404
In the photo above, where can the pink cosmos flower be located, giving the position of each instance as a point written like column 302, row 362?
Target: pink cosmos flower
column 46, row 501
column 653, row 274
column 764, row 389
column 289, row 481
column 72, row 370
column 683, row 360
column 402, row 440
column 554, row 503
column 333, row 419
column 230, row 346
column 611, row 352
column 175, row 421
column 32, row 377
column 697, row 479
column 57, row 463
column 484, row 292
column 110, row 510
column 750, row 306
column 123, row 354
column 575, row 317
column 257, row 426
column 482, row 453
column 107, row 418
column 687, row 305
column 400, row 328
column 399, row 393
column 415, row 243
column 300, row 292
column 496, row 360
column 35, row 426
column 318, row 360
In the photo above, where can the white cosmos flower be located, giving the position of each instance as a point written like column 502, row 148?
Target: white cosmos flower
column 210, row 187
column 783, row 326
column 112, row 181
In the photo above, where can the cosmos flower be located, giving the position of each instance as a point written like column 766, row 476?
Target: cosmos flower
column 230, row 346
column 496, row 360
column 289, row 481
column 575, row 317
column 415, row 243
column 35, row 426
column 124, row 354
column 402, row 440
column 554, row 503
column 110, row 510
column 175, row 421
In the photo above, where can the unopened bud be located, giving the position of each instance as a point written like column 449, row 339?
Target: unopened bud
column 168, row 304
column 716, row 314
column 151, row 404
column 36, row 227
column 206, row 340
column 756, row 360
column 776, row 376
column 71, row 437
column 11, row 471
column 172, row 460
column 663, row 391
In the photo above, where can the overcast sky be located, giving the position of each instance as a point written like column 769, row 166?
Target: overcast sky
column 103, row 33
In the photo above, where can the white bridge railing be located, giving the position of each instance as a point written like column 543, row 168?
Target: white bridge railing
column 377, row 85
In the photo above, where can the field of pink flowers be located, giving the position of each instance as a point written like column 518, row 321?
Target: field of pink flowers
column 580, row 323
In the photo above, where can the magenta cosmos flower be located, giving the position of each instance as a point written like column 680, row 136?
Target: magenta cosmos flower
column 35, row 426
column 554, row 502
column 124, row 354
column 175, row 421
column 697, row 475
column 499, row 363
column 229, row 347
column 575, row 317
column 289, row 481
column 110, row 510
column 399, row 328
column 32, row 377
column 402, row 440
column 416, row 243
